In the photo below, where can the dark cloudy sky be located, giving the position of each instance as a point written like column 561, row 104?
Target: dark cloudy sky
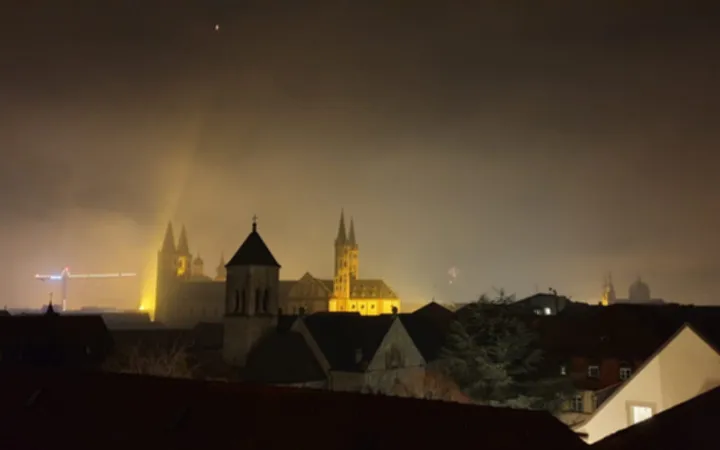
column 528, row 146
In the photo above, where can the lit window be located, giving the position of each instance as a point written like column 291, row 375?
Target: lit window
column 548, row 311
column 594, row 371
column 625, row 373
column 640, row 413
column 563, row 370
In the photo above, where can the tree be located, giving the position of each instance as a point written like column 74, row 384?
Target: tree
column 494, row 358
column 173, row 362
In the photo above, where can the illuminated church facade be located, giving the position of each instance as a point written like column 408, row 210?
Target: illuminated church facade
column 186, row 295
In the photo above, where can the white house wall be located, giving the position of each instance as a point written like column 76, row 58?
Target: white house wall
column 685, row 368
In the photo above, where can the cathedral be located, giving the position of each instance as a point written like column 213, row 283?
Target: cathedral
column 638, row 294
column 186, row 295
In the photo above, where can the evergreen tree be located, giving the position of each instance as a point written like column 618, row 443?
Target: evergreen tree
column 495, row 359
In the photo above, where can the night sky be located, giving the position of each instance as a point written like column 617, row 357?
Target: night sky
column 527, row 146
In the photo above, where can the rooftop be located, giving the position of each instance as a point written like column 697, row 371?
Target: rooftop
column 109, row 411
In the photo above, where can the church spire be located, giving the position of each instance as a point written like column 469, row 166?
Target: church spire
column 183, row 248
column 168, row 245
column 341, row 238
column 221, row 271
column 351, row 236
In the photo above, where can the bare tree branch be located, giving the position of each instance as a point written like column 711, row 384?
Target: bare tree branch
column 431, row 385
column 173, row 362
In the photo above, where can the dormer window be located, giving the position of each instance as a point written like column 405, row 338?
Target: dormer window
column 594, row 371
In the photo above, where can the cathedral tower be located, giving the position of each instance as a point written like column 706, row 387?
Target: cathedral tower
column 251, row 297
column 184, row 258
column 609, row 296
column 166, row 274
column 198, row 267
column 352, row 250
column 341, row 280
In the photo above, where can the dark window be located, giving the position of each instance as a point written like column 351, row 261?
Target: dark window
column 594, row 371
column 393, row 358
column 236, row 309
column 266, row 301
column 258, row 299
column 243, row 307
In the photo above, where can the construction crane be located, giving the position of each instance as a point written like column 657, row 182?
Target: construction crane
column 65, row 276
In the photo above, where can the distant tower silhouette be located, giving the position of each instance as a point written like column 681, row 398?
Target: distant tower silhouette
column 174, row 265
column 221, row 271
column 608, row 297
column 639, row 292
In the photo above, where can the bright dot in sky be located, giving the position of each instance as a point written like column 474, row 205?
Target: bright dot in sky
column 217, row 27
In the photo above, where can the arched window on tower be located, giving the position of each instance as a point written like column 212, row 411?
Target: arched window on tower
column 236, row 307
column 243, row 299
column 258, row 300
column 266, row 301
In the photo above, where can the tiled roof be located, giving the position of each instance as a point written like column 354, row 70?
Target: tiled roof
column 371, row 289
column 428, row 331
column 56, row 339
column 690, row 425
column 253, row 252
column 631, row 332
column 341, row 335
column 283, row 358
column 108, row 411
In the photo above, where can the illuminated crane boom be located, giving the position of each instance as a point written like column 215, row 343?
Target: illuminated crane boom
column 65, row 276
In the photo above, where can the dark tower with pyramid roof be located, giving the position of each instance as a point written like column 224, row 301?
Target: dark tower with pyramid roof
column 252, row 291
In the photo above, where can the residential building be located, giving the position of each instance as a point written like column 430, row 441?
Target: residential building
column 53, row 340
column 690, row 425
column 338, row 351
column 686, row 366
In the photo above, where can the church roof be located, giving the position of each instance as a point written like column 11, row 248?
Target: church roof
column 371, row 289
column 253, row 252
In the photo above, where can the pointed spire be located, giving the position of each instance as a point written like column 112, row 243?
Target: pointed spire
column 341, row 236
column 50, row 311
column 221, row 271
column 183, row 248
column 351, row 237
column 168, row 245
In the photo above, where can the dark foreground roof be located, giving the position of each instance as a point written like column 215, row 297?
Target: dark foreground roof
column 110, row 411
column 691, row 425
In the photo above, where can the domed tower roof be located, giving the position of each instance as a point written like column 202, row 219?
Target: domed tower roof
column 639, row 291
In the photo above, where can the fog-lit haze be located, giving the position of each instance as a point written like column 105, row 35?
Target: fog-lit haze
column 527, row 147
